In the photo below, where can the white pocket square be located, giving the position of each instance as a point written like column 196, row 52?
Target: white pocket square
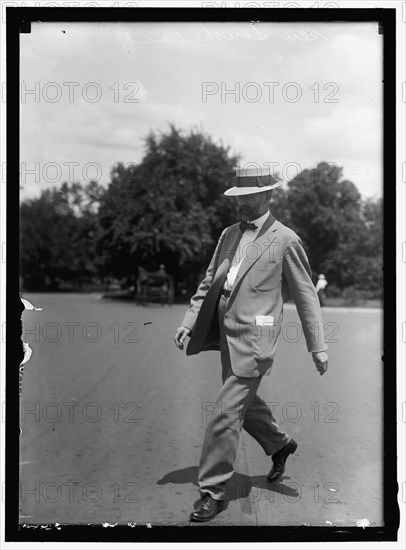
column 264, row 320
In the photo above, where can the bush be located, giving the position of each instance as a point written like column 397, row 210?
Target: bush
column 354, row 297
column 333, row 291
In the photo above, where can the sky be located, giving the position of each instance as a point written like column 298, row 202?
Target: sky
column 285, row 95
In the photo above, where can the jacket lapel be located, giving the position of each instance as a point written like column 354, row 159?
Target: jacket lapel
column 262, row 242
column 232, row 245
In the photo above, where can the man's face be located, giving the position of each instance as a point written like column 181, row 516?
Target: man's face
column 252, row 206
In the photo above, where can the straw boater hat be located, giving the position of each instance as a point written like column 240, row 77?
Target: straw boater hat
column 252, row 180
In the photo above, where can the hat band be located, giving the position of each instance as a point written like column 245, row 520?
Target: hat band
column 254, row 181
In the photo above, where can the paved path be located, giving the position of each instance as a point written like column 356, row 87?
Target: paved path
column 119, row 417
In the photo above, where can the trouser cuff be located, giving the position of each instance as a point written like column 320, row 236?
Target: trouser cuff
column 214, row 493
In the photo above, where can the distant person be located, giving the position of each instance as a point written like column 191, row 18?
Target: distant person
column 320, row 286
column 162, row 272
column 142, row 283
column 237, row 309
column 164, row 291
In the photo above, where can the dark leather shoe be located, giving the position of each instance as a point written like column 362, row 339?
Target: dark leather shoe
column 279, row 460
column 208, row 509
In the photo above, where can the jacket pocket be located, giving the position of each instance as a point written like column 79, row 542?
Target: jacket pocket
column 264, row 344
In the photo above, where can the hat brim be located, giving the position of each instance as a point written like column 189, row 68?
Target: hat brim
column 235, row 191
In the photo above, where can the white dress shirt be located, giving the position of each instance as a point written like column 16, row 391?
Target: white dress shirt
column 243, row 250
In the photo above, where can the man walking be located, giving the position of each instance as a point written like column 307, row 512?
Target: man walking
column 238, row 309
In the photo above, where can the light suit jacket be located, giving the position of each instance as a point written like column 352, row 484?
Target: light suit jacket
column 275, row 267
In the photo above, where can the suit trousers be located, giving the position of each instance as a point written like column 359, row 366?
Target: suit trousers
column 237, row 406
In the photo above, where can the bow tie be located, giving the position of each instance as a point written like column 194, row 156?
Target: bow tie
column 247, row 225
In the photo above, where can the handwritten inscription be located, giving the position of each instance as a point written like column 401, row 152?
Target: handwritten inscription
column 208, row 35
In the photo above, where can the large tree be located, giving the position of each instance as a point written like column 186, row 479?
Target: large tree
column 170, row 208
column 340, row 231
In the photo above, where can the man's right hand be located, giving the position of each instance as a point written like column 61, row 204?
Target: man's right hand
column 180, row 336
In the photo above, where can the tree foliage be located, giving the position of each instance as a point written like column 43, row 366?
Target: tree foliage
column 170, row 209
column 341, row 233
column 57, row 236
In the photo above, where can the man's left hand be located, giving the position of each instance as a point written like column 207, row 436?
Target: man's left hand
column 320, row 359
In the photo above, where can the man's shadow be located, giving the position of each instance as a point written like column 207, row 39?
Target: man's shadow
column 238, row 487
